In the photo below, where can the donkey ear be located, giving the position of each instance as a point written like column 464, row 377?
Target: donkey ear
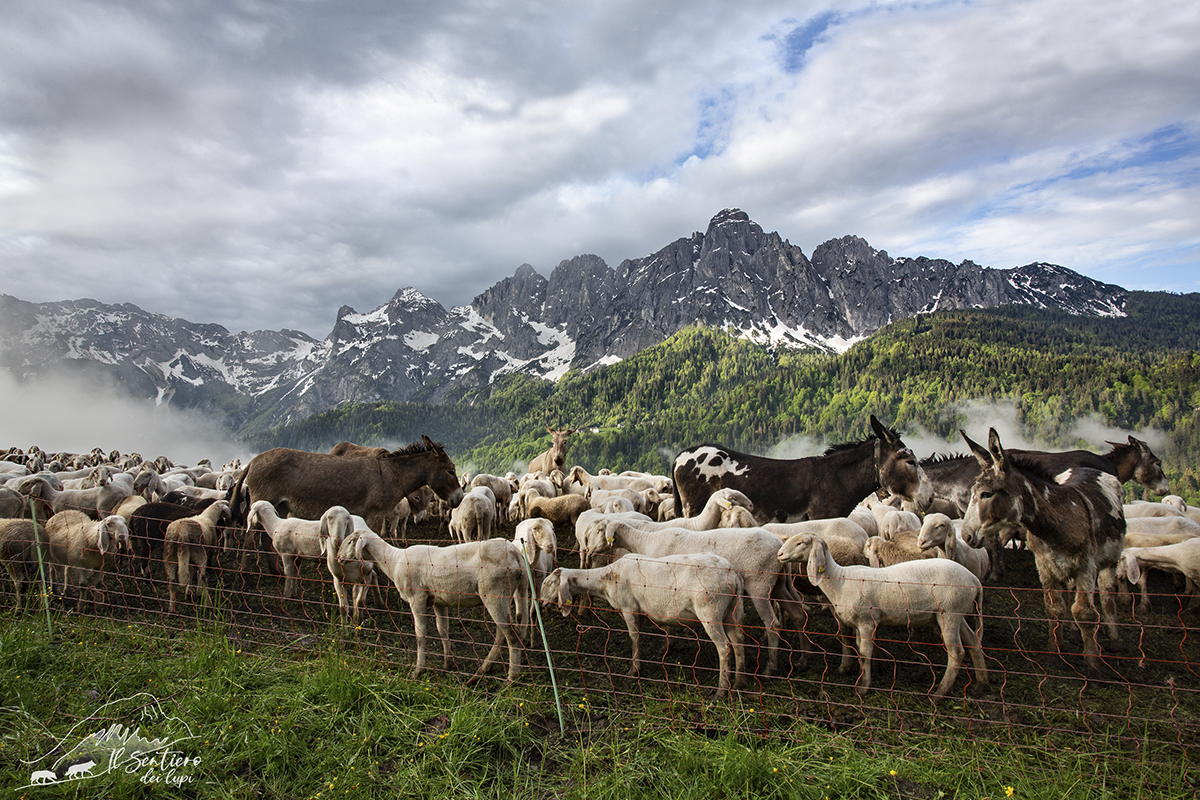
column 881, row 432
column 997, row 450
column 1139, row 444
column 981, row 455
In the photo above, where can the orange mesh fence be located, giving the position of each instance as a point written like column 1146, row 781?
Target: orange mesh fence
column 1145, row 698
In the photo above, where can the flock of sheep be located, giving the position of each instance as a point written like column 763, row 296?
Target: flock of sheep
column 888, row 563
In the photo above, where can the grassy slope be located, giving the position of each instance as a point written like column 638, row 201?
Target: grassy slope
column 291, row 706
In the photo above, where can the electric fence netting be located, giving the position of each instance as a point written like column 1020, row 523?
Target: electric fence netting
column 700, row 639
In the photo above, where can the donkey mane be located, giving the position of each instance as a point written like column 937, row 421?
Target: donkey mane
column 844, row 446
column 413, row 449
column 1031, row 468
column 943, row 458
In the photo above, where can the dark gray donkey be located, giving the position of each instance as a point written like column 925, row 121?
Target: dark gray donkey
column 1074, row 524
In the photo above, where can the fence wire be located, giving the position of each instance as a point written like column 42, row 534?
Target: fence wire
column 1145, row 701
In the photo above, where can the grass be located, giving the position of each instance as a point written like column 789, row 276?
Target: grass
column 331, row 718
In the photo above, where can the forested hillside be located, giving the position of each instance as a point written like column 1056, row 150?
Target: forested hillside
column 705, row 385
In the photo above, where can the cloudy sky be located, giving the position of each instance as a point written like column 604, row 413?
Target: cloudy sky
column 259, row 164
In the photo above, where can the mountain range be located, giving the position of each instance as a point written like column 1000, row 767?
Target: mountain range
column 586, row 314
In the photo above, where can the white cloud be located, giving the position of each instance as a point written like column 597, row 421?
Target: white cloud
column 259, row 165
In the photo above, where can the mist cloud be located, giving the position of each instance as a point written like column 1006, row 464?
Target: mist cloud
column 64, row 415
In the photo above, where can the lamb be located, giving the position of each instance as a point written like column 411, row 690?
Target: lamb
column 187, row 544
column 938, row 533
column 752, row 552
column 907, row 594
column 669, row 591
column 501, row 488
column 337, row 528
column 534, row 488
column 474, row 518
column 20, row 543
column 562, row 510
column 487, row 573
column 1183, row 557
column 607, row 482
column 844, row 537
column 1154, row 532
column 78, row 544
column 725, row 508
column 292, row 538
column 538, row 542
column 896, row 522
column 881, row 552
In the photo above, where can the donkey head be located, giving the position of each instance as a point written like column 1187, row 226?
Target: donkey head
column 997, row 503
column 443, row 476
column 899, row 471
column 1148, row 469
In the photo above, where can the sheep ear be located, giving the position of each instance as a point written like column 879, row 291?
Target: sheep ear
column 951, row 543
column 816, row 563
column 103, row 540
column 359, row 546
column 1133, row 570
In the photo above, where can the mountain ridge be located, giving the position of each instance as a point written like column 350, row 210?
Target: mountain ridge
column 733, row 276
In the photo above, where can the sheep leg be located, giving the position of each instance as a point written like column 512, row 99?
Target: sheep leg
column 360, row 597
column 291, row 578
column 13, row 575
column 202, row 580
column 846, row 637
column 974, row 642
column 866, row 649
column 631, row 624
column 1087, row 619
column 341, row 596
column 443, row 625
column 766, row 610
column 421, row 629
column 172, row 567
column 951, row 625
column 505, row 631
column 1106, row 583
column 715, row 629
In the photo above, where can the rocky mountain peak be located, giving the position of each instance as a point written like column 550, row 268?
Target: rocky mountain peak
column 586, row 314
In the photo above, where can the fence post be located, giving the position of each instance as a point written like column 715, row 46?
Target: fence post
column 533, row 593
column 37, row 545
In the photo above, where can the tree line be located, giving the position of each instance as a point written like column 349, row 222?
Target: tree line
column 705, row 385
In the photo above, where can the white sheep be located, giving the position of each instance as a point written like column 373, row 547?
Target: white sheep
column 538, row 542
column 488, row 573
column 668, row 591
column 904, row 595
column 20, row 543
column 1182, row 557
column 896, row 522
column 752, row 552
column 187, row 544
column 939, row 533
column 293, row 538
column 474, row 518
column 337, row 527
column 78, row 545
column 501, row 488
column 1140, row 510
